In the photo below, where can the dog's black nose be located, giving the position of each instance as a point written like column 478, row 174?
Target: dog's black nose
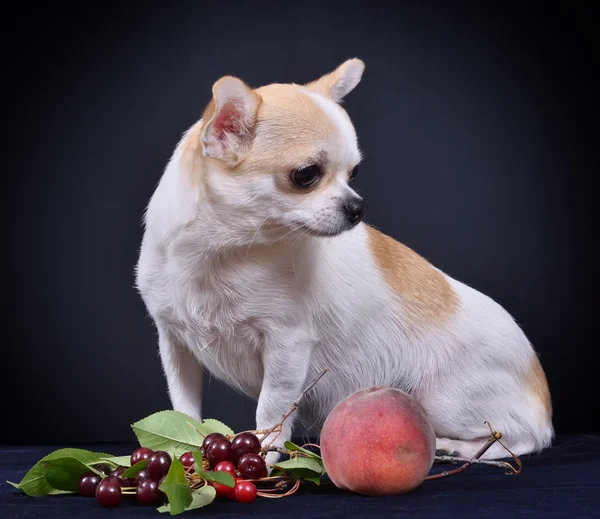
column 355, row 210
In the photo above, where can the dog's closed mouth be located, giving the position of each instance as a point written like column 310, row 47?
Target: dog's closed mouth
column 308, row 229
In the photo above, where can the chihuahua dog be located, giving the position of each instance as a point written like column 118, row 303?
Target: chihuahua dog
column 256, row 266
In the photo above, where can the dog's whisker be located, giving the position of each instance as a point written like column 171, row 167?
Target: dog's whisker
column 280, row 227
column 292, row 246
column 287, row 233
column 254, row 237
column 241, row 204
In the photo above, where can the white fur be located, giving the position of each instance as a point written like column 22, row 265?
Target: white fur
column 265, row 309
column 350, row 74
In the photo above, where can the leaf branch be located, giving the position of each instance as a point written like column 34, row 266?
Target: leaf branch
column 476, row 459
column 454, row 460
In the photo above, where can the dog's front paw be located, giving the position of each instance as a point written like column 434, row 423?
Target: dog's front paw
column 446, row 452
column 272, row 458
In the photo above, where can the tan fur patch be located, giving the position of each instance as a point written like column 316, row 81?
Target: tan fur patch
column 190, row 159
column 425, row 293
column 291, row 131
column 539, row 384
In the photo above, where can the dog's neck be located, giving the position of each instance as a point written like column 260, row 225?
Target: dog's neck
column 183, row 211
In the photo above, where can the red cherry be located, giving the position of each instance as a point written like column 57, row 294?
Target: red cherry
column 222, row 490
column 244, row 443
column 140, row 454
column 218, row 451
column 148, row 493
column 141, row 476
column 187, row 459
column 158, row 464
column 225, row 466
column 88, row 483
column 162, row 494
column 231, row 495
column 108, row 492
column 209, row 439
column 252, row 466
column 244, row 492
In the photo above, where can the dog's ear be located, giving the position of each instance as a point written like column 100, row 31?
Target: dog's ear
column 339, row 83
column 229, row 120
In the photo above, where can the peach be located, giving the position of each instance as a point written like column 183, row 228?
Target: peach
column 378, row 441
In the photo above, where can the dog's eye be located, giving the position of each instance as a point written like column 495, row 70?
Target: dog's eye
column 306, row 177
column 354, row 173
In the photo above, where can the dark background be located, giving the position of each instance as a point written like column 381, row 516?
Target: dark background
column 479, row 128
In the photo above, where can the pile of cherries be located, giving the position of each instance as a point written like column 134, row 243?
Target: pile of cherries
column 241, row 453
column 108, row 490
column 239, row 457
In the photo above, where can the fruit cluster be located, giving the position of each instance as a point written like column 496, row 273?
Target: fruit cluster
column 239, row 457
column 109, row 489
column 241, row 453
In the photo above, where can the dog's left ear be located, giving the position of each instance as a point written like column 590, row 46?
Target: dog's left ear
column 229, row 120
column 339, row 83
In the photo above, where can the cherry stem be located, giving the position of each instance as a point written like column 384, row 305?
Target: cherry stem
column 311, row 445
column 278, row 449
column 274, row 439
column 203, row 436
column 268, row 478
column 475, row 459
column 294, row 406
column 493, row 463
column 254, row 431
column 275, row 496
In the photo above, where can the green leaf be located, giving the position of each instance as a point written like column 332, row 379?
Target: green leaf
column 291, row 446
column 210, row 425
column 51, row 493
column 200, row 497
column 170, row 431
column 60, row 492
column 225, row 478
column 34, row 483
column 220, row 477
column 177, row 489
column 308, row 469
column 300, row 462
column 118, row 461
column 301, row 474
column 132, row 472
column 64, row 473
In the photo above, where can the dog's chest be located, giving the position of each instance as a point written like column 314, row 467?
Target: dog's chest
column 222, row 313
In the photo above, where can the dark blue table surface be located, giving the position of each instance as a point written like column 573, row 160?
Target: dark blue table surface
column 564, row 481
